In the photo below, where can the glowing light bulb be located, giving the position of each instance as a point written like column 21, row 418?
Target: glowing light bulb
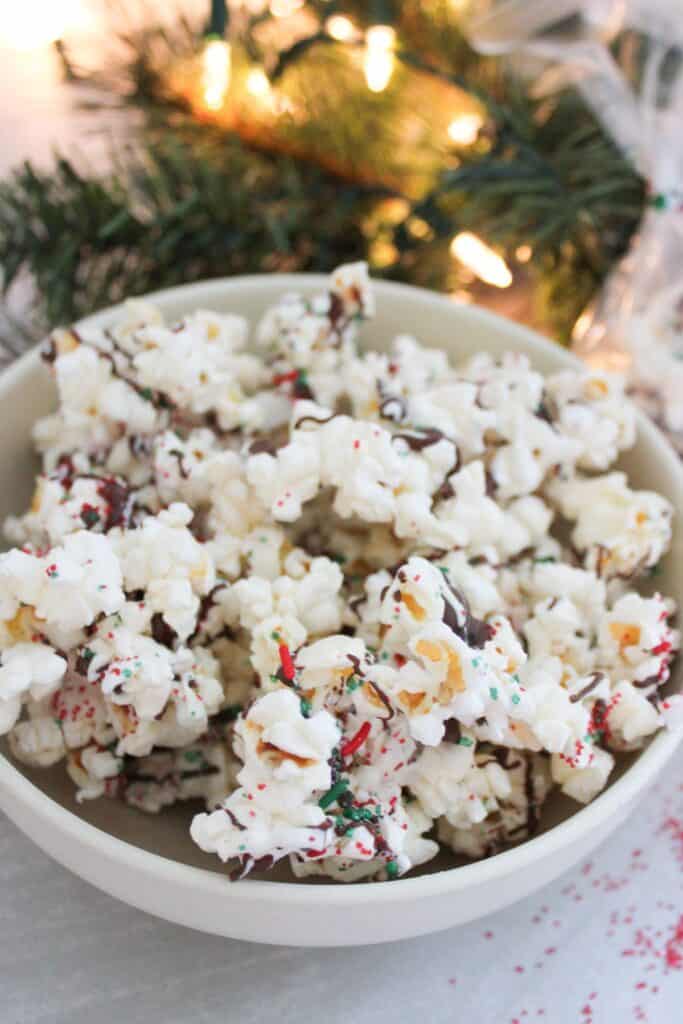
column 478, row 257
column 340, row 28
column 465, row 128
column 523, row 253
column 37, row 23
column 284, row 8
column 257, row 83
column 380, row 41
column 216, row 67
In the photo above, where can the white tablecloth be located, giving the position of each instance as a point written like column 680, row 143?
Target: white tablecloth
column 603, row 945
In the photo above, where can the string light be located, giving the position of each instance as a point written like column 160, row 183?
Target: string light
column 523, row 253
column 33, row 24
column 380, row 41
column 257, row 83
column 216, row 68
column 340, row 28
column 464, row 129
column 478, row 257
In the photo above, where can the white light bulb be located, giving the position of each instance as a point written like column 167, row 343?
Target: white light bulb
column 340, row 28
column 257, row 83
column 216, row 68
column 481, row 259
column 380, row 41
column 465, row 128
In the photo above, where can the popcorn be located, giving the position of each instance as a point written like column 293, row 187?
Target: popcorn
column 637, row 643
column 330, row 594
column 591, row 408
column 620, row 532
column 512, row 787
column 27, row 668
column 92, row 769
column 67, row 588
column 37, row 742
column 583, row 784
column 165, row 560
column 285, row 759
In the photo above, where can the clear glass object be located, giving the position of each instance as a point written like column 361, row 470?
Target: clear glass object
column 626, row 56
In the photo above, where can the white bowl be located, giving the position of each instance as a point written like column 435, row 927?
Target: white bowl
column 150, row 861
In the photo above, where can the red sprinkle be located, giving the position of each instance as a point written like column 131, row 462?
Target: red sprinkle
column 357, row 741
column 284, row 378
column 288, row 669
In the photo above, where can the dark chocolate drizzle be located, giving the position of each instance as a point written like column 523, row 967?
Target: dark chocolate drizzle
column 474, row 632
column 162, row 632
column 263, row 444
column 452, row 731
column 595, row 679
column 205, row 605
column 393, row 402
column 314, row 419
column 421, row 439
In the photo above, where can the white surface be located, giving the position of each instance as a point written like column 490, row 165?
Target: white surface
column 161, row 881
column 68, row 953
column 71, row 953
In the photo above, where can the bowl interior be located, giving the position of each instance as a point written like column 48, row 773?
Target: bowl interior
column 27, row 392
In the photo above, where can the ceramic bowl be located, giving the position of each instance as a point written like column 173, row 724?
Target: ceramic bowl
column 150, row 861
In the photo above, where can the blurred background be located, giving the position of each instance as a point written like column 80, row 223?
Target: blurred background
column 192, row 138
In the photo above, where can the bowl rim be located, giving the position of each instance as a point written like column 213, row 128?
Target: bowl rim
column 581, row 822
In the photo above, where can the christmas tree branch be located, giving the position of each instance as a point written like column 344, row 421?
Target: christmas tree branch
column 330, row 177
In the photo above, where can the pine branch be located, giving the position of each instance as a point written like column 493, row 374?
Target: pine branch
column 174, row 210
column 196, row 200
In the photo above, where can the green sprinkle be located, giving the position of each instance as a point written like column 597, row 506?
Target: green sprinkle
column 241, row 847
column 275, row 636
column 546, row 558
column 146, row 393
column 353, row 683
column 516, row 678
column 476, row 662
column 392, row 869
column 193, row 756
column 306, row 707
column 333, row 794
column 465, row 741
column 90, row 517
column 127, row 673
column 516, row 698
column 444, row 570
column 493, row 690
